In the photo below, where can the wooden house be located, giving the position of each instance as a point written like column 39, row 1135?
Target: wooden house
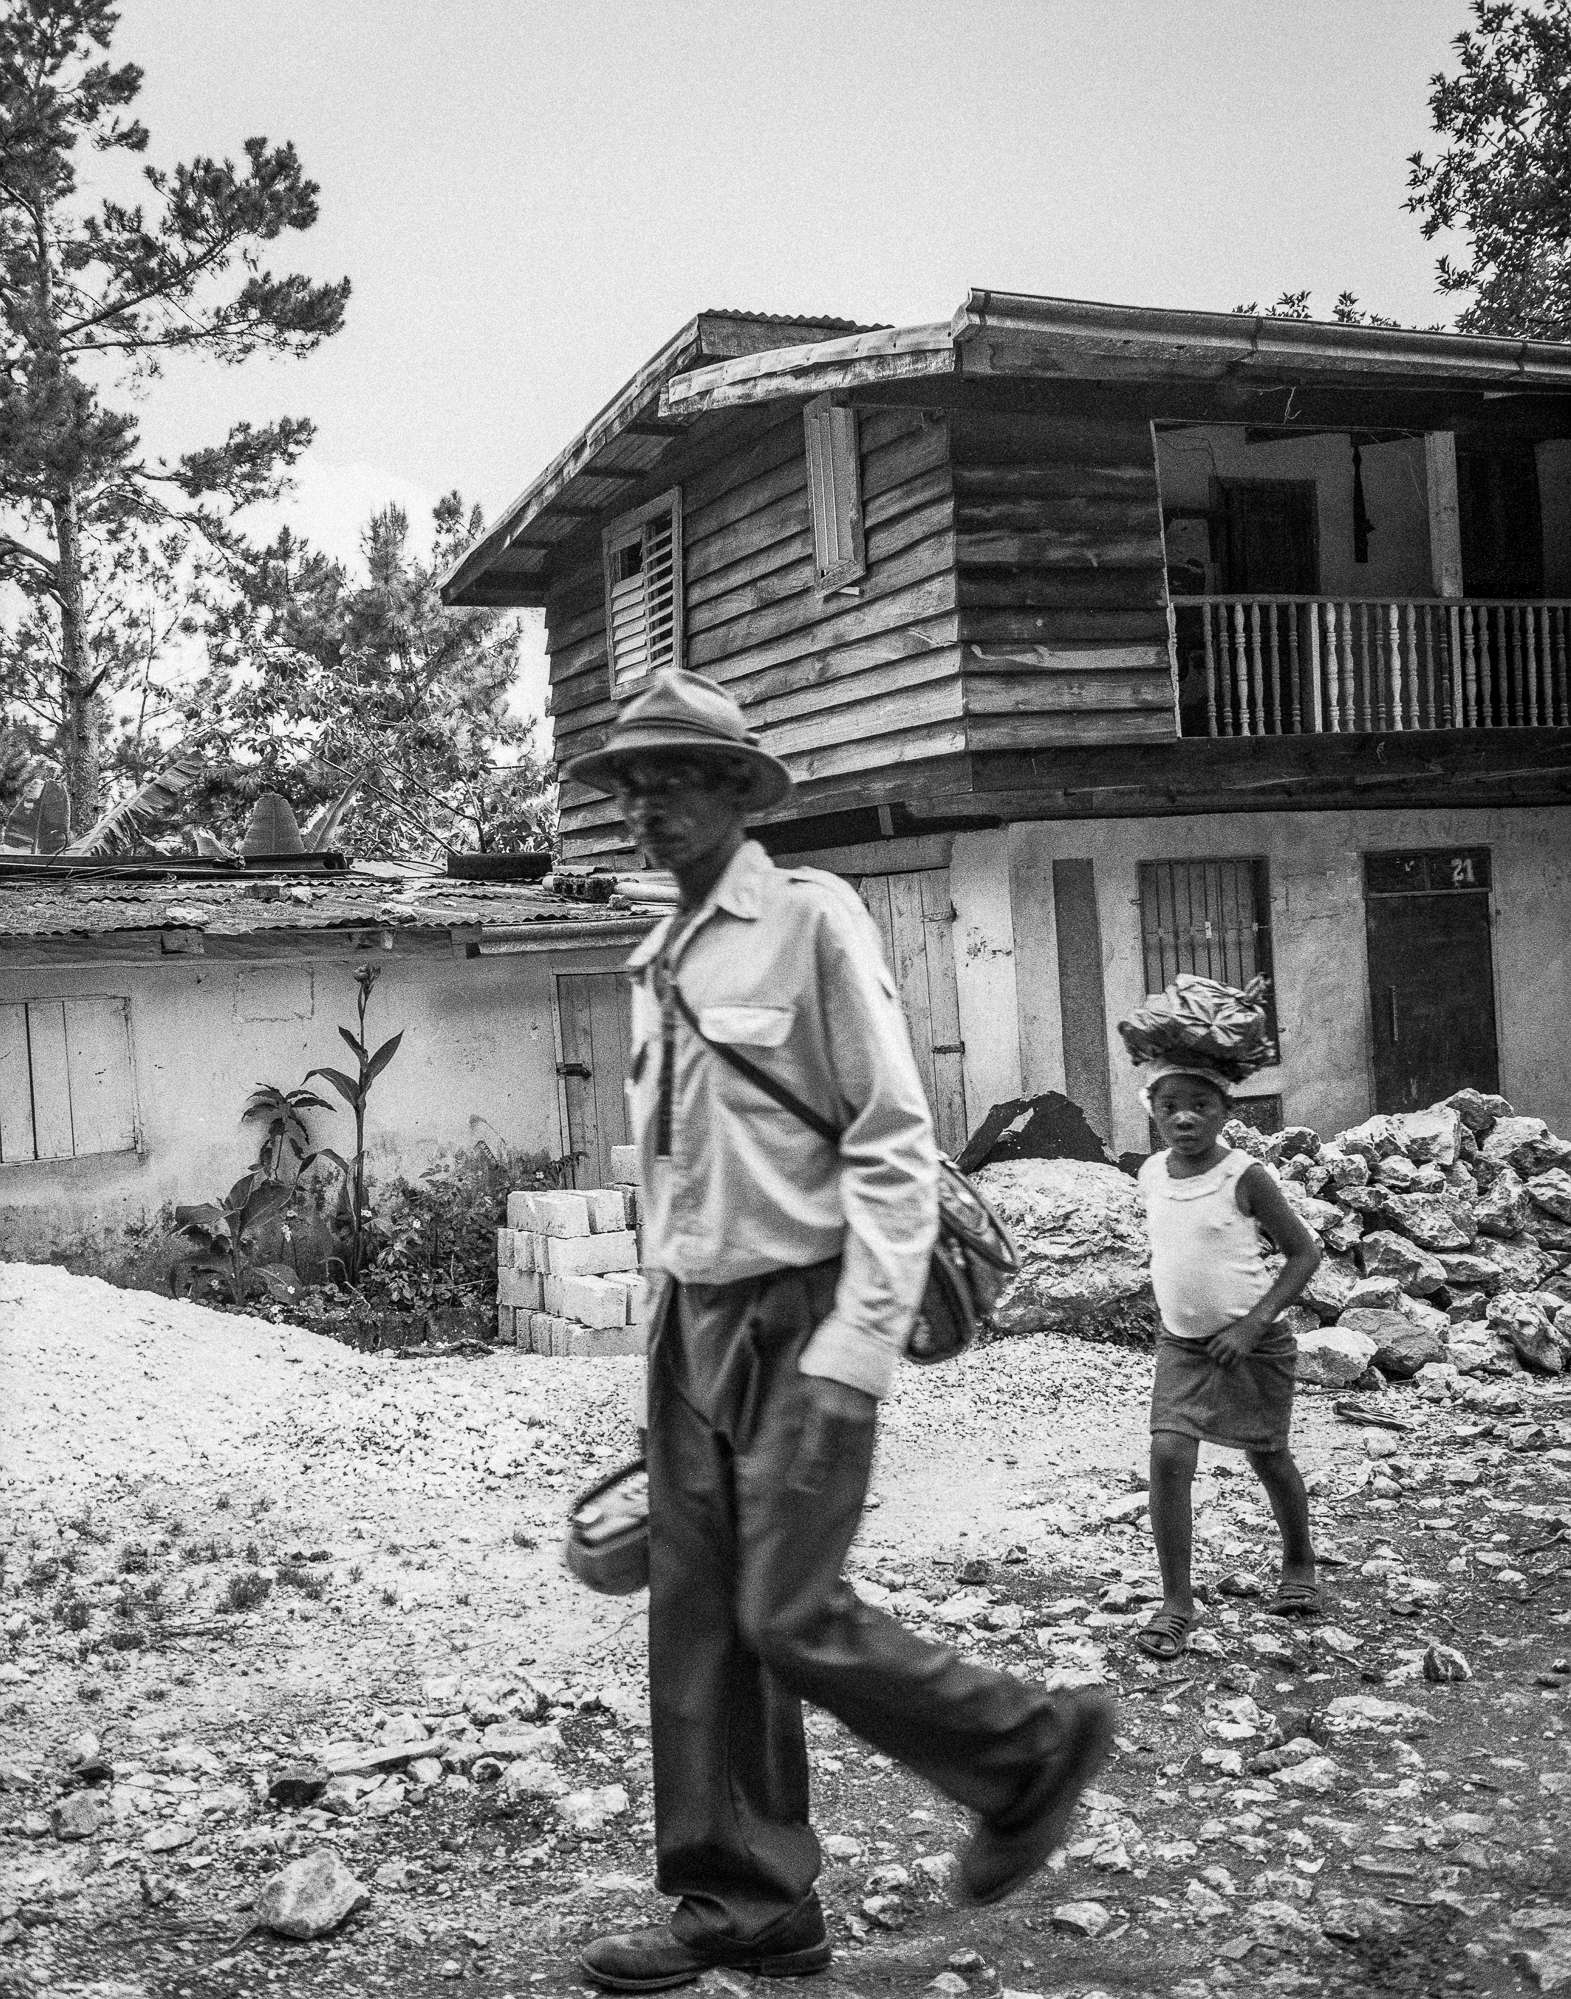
column 1107, row 642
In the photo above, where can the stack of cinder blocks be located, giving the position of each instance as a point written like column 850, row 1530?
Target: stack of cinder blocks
column 568, row 1277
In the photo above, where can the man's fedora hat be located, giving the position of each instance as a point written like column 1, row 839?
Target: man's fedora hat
column 683, row 714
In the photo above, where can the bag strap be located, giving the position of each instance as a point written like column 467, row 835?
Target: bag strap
column 759, row 1078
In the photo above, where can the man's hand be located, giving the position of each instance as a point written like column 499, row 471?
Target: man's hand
column 839, row 1398
column 1235, row 1342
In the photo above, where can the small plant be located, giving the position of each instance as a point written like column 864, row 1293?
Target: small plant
column 285, row 1151
column 126, row 1640
column 73, row 1613
column 356, row 1091
column 356, row 1574
column 389, row 1598
column 133, row 1560
column 293, row 1575
column 245, row 1591
column 523, row 1540
column 225, row 1233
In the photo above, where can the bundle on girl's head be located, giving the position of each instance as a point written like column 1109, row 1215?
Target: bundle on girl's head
column 1199, row 1028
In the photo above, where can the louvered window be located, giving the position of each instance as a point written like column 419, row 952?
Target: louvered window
column 643, row 591
column 834, row 493
column 1209, row 917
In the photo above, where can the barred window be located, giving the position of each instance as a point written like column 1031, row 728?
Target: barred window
column 1208, row 917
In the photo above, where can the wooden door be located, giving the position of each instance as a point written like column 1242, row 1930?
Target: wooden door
column 1432, row 997
column 916, row 922
column 596, row 1014
column 1269, row 539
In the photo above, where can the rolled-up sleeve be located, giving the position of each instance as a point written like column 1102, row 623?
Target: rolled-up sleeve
column 888, row 1160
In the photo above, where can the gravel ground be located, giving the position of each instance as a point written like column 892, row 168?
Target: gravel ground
column 228, row 1545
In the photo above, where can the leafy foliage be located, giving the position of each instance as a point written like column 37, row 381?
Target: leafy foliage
column 225, row 1234
column 356, row 1092
column 1295, row 305
column 286, row 1139
column 379, row 685
column 1504, row 178
column 95, row 295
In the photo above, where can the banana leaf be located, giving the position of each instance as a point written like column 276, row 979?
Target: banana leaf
column 128, row 825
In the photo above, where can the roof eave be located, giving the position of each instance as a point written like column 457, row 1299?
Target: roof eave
column 1012, row 333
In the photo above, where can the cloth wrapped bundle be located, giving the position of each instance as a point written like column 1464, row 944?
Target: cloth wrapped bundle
column 1201, row 1024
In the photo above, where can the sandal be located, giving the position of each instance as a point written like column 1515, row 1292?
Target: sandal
column 1166, row 1635
column 1297, row 1600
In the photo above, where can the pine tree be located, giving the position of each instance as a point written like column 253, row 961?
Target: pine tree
column 95, row 294
column 324, row 682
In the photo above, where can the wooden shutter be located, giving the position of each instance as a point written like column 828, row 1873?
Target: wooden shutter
column 16, row 1088
column 834, row 494
column 98, row 1055
column 643, row 591
column 65, row 1079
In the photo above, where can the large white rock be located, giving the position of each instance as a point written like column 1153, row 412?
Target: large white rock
column 1333, row 1356
column 1080, row 1230
column 310, row 1896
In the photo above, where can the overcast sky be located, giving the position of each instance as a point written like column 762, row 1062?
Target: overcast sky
column 530, row 198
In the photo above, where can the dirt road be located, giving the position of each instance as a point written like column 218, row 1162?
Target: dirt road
column 228, row 1546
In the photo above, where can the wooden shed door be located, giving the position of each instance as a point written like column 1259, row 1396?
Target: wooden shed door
column 1431, row 981
column 916, row 921
column 596, row 1012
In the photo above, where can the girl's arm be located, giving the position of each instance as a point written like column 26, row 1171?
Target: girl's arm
column 1260, row 1196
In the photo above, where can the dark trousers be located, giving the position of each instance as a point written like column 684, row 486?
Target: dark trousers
column 754, row 1499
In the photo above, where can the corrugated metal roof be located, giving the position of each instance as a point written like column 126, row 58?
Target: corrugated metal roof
column 98, row 904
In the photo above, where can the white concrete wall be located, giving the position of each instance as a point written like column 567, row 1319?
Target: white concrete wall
column 1321, row 968
column 985, row 970
column 478, row 1060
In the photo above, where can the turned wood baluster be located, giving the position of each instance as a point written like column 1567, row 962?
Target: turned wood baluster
column 1469, row 669
column 1530, row 664
column 1562, row 689
column 1316, row 709
column 1257, row 669
column 1241, row 669
column 1295, row 692
column 1224, row 639
column 1349, row 680
column 1364, row 701
column 1272, row 611
column 1415, row 710
column 1486, row 670
column 1512, row 614
column 1394, row 719
column 1205, row 621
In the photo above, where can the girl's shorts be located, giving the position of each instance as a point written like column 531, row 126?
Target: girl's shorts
column 1247, row 1407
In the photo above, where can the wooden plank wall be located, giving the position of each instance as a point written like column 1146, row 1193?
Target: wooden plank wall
column 835, row 685
column 1062, row 598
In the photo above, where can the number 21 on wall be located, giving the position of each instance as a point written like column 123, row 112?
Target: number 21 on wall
column 1462, row 875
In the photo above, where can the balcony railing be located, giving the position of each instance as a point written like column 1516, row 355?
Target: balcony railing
column 1287, row 666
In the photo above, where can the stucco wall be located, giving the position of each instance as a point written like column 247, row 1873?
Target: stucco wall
column 1317, row 918
column 477, row 1060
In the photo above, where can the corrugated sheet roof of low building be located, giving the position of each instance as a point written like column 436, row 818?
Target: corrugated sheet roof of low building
column 96, row 904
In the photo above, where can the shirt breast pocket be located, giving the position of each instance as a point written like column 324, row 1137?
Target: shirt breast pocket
column 746, row 1026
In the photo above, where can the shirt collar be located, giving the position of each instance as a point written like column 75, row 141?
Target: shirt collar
column 737, row 892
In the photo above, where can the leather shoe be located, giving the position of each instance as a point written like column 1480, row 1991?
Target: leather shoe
column 654, row 1960
column 1007, row 1850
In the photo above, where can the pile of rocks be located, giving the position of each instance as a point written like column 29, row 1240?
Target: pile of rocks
column 568, row 1269
column 1447, row 1235
column 1446, row 1232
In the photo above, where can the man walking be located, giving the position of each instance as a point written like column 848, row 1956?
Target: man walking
column 793, row 1267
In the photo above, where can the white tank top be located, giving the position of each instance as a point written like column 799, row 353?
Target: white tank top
column 1208, row 1261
